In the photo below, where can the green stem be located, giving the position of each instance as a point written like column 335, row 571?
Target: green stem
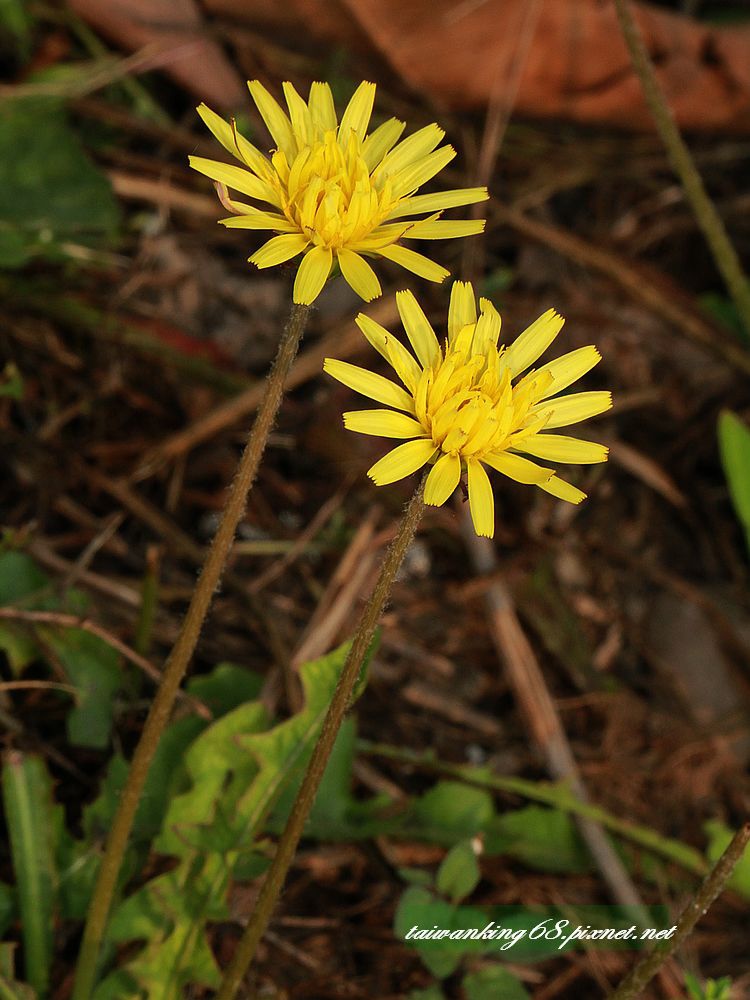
column 179, row 658
column 274, row 880
column 707, row 217
column 634, row 984
column 557, row 796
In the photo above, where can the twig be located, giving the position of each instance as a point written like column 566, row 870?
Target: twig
column 164, row 194
column 274, row 880
column 181, row 654
column 299, row 545
column 710, row 222
column 634, row 984
column 635, row 280
column 343, row 342
column 62, row 620
column 539, row 713
column 556, row 796
column 500, row 106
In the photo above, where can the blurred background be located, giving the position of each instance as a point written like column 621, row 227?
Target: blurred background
column 606, row 645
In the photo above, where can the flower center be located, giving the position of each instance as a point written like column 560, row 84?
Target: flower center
column 468, row 405
column 328, row 193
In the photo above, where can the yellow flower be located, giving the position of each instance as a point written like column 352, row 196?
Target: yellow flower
column 463, row 407
column 337, row 194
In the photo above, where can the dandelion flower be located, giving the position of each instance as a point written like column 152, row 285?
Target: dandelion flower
column 473, row 404
column 334, row 193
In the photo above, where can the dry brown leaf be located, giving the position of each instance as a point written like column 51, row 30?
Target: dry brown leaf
column 177, row 41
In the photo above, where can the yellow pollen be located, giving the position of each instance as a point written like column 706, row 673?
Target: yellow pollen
column 327, row 192
column 470, row 408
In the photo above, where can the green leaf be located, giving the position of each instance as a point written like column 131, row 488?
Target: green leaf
column 235, row 771
column 431, row 993
column 19, row 576
column 18, row 646
column 27, row 799
column 7, row 907
column 51, row 192
column 15, row 20
column 448, row 812
column 226, row 687
column 419, row 908
column 11, row 381
column 712, row 989
column 719, row 838
column 734, row 447
column 492, row 982
column 93, row 667
column 459, row 874
column 544, row 839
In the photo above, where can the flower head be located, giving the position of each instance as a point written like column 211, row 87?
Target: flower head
column 337, row 194
column 463, row 407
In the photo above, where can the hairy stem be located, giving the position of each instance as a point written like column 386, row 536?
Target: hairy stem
column 634, row 984
column 710, row 222
column 179, row 658
column 287, row 846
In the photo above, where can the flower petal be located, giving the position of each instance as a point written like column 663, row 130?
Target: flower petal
column 369, row 384
column 520, row 469
column 487, row 329
column 462, row 310
column 235, row 143
column 278, row 250
column 533, row 342
column 237, row 178
column 423, row 170
column 414, row 262
column 402, row 461
column 312, row 275
column 299, row 114
column 415, row 147
column 322, row 107
column 562, row 490
column 255, row 218
column 418, row 328
column 392, row 350
column 559, row 448
column 356, row 117
column 276, row 121
column 378, row 144
column 569, row 368
column 565, row 410
column 445, row 229
column 358, row 273
column 439, row 201
column 481, row 500
column 383, row 423
column 442, row 480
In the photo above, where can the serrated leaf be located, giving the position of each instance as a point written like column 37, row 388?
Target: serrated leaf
column 734, row 448
column 226, row 687
column 236, row 770
column 458, row 874
column 27, row 798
